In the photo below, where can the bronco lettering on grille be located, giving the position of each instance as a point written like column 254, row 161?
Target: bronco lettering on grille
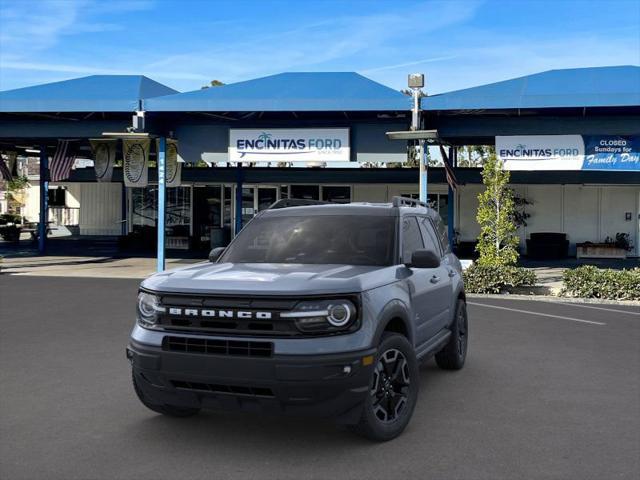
column 240, row 314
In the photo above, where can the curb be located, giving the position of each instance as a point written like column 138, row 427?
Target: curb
column 554, row 299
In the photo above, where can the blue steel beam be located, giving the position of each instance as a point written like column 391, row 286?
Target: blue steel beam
column 162, row 190
column 239, row 181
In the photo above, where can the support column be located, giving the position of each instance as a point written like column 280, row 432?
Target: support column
column 239, row 181
column 124, row 211
column 44, row 200
column 451, row 211
column 162, row 191
column 423, row 170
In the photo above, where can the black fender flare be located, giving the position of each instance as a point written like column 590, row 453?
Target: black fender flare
column 394, row 309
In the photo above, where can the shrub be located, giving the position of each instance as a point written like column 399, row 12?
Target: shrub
column 592, row 282
column 495, row 278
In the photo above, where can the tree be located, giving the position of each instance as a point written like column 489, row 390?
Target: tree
column 213, row 83
column 497, row 243
column 474, row 155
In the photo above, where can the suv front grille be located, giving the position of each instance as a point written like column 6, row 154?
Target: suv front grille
column 231, row 389
column 217, row 347
column 227, row 316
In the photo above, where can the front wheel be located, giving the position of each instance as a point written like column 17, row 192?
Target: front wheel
column 454, row 353
column 393, row 390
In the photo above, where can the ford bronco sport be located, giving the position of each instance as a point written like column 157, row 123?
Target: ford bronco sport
column 311, row 310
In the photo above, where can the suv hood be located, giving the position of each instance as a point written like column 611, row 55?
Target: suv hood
column 270, row 279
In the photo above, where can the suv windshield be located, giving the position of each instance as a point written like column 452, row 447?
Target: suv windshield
column 348, row 239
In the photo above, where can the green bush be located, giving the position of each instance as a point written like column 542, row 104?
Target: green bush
column 495, row 278
column 592, row 282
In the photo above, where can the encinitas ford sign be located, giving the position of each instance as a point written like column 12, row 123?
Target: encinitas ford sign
column 289, row 145
column 541, row 152
column 569, row 152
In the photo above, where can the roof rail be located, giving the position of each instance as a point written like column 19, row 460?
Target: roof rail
column 295, row 202
column 407, row 202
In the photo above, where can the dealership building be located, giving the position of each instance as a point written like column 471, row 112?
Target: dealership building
column 570, row 137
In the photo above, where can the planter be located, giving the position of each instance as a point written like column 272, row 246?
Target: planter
column 599, row 250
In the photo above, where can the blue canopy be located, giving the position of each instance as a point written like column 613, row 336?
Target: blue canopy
column 576, row 87
column 96, row 93
column 288, row 92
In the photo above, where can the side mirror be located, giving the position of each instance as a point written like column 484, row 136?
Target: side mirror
column 214, row 254
column 424, row 259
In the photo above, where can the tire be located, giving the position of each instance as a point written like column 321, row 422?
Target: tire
column 393, row 390
column 454, row 353
column 168, row 410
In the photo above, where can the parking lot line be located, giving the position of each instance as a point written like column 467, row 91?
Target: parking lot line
column 601, row 308
column 530, row 312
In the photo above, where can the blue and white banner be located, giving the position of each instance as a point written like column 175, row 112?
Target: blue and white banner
column 569, row 152
column 610, row 152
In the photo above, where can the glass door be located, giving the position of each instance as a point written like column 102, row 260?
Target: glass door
column 255, row 199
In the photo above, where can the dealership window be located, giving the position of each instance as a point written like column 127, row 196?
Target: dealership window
column 336, row 193
column 144, row 209
column 438, row 201
column 307, row 192
column 57, row 197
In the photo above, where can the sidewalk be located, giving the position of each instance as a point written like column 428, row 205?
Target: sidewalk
column 98, row 267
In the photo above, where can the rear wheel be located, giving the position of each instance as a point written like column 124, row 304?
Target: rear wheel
column 393, row 390
column 454, row 353
column 164, row 409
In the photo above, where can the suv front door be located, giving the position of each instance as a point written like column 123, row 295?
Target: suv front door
column 429, row 287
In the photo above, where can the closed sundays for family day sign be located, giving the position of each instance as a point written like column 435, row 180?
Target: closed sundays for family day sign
column 289, row 145
column 569, row 152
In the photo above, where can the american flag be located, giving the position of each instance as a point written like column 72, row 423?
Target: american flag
column 62, row 161
column 448, row 170
column 5, row 172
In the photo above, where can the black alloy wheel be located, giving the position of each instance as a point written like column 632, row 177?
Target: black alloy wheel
column 393, row 391
column 391, row 382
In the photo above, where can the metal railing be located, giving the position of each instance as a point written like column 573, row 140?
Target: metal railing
column 64, row 215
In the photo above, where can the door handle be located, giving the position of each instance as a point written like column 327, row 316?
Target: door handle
column 435, row 279
column 452, row 273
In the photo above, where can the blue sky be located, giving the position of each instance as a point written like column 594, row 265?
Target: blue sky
column 184, row 44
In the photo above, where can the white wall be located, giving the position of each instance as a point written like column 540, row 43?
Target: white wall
column 583, row 212
column 100, row 208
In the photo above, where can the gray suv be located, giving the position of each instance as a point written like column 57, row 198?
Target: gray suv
column 311, row 310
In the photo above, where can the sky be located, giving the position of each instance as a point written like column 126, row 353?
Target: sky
column 185, row 44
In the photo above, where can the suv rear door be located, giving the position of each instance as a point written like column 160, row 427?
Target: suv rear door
column 433, row 241
column 429, row 287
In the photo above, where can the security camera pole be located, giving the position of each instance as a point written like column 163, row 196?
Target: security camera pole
column 416, row 83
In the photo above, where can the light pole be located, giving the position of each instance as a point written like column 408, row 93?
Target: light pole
column 416, row 83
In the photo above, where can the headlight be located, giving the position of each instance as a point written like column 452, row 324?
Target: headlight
column 148, row 309
column 323, row 316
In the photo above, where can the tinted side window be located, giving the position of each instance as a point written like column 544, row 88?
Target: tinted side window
column 442, row 234
column 411, row 238
column 430, row 238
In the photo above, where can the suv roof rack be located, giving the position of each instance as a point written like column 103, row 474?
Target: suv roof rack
column 295, row 202
column 407, row 202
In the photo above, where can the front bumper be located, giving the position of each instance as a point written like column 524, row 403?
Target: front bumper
column 333, row 385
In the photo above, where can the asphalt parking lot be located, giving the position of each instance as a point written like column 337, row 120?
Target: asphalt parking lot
column 549, row 391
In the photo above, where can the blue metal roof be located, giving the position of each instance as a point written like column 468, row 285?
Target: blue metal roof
column 576, row 87
column 96, row 93
column 288, row 92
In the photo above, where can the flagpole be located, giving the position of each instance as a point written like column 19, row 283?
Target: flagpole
column 44, row 200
